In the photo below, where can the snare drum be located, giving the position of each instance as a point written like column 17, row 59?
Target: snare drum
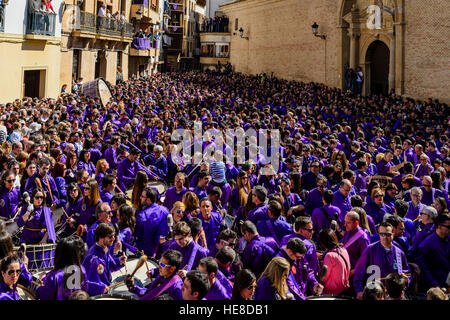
column 41, row 257
column 25, row 293
column 112, row 297
column 329, row 297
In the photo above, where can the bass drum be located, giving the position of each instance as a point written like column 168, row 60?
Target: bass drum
column 329, row 297
column 97, row 89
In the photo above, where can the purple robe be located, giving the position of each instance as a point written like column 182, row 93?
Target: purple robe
column 192, row 254
column 172, row 196
column 414, row 211
column 211, row 228
column 275, row 228
column 9, row 202
column 218, row 292
column 342, row 203
column 310, row 255
column 153, row 290
column 55, row 288
column 313, row 201
column 357, row 247
column 8, row 294
column 256, row 255
column 258, row 213
column 377, row 212
column 376, row 254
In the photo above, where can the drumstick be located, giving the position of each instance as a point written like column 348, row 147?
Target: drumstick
column 141, row 261
column 126, row 269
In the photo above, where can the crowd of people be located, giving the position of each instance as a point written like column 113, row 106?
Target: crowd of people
column 216, row 24
column 356, row 207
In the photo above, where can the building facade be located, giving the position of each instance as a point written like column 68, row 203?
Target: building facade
column 30, row 41
column 95, row 40
column 400, row 45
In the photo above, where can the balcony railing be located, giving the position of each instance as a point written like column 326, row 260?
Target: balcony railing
column 175, row 29
column 113, row 27
column 41, row 23
column 176, row 6
column 87, row 22
column 2, row 18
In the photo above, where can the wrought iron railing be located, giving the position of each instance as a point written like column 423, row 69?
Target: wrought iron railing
column 41, row 23
column 127, row 30
column 87, row 22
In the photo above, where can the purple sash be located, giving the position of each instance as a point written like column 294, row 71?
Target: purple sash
column 155, row 292
column 272, row 231
column 50, row 226
column 355, row 237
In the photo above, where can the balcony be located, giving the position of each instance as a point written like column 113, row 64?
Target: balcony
column 142, row 47
column 176, row 5
column 175, row 30
column 87, row 22
column 40, row 24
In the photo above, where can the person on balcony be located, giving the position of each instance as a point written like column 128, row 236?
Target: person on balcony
column 102, row 10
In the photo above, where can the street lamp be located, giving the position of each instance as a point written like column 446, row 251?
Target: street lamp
column 315, row 31
column 241, row 33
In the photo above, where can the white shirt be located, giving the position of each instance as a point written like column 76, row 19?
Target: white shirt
column 101, row 12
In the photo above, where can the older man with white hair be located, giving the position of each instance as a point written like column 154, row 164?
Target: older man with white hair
column 157, row 163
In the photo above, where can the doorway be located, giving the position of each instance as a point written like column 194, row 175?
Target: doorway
column 378, row 57
column 34, row 83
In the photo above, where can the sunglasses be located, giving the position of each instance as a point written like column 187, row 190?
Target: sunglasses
column 378, row 196
column 10, row 180
column 163, row 265
column 230, row 244
column 385, row 234
column 251, row 287
column 180, row 212
column 108, row 212
column 18, row 272
column 315, row 166
column 39, row 197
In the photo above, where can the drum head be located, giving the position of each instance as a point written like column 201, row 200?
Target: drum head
column 122, row 289
column 112, row 297
column 103, row 91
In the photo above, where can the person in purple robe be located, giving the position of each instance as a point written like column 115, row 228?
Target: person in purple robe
column 244, row 286
column 314, row 198
column 342, row 198
column 111, row 152
column 45, row 181
column 258, row 197
column 424, row 168
column 217, row 291
column 109, row 183
column 389, row 196
column 176, row 192
column 272, row 284
column 9, row 195
column 415, row 204
column 257, row 253
column 69, row 254
column 195, row 286
column 381, row 258
column 433, row 254
column 377, row 209
column 385, row 166
column 36, row 220
column 86, row 163
column 309, row 179
column 103, row 214
column 99, row 263
column 212, row 222
column 203, row 180
column 84, row 209
column 429, row 194
column 191, row 251
column 225, row 259
column 149, row 217
column 128, row 168
column 166, row 282
column 322, row 217
column 274, row 227
column 291, row 199
column 355, row 240
column 301, row 280
column 10, row 273
column 303, row 229
column 157, row 162
column 361, row 177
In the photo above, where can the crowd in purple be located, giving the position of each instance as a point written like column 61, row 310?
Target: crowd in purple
column 357, row 205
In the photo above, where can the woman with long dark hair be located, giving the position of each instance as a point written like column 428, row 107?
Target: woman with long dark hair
column 58, row 174
column 126, row 222
column 87, row 204
column 9, row 195
column 140, row 183
column 10, row 273
column 30, row 169
column 244, row 285
column 67, row 275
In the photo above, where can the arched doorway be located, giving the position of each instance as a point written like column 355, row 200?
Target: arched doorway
column 377, row 58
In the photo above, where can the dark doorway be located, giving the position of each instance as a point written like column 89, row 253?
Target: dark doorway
column 32, row 79
column 97, row 66
column 378, row 56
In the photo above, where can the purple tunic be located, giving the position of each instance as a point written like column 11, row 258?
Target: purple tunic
column 342, row 203
column 218, row 292
column 258, row 213
column 211, row 228
column 357, row 247
column 313, row 201
column 172, row 196
column 8, row 294
column 9, row 202
column 55, row 288
column 275, row 228
column 414, row 211
column 192, row 254
column 152, row 291
column 321, row 221
column 376, row 254
column 256, row 255
column 376, row 212
column 310, row 256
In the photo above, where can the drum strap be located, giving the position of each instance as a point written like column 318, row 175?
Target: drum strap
column 192, row 257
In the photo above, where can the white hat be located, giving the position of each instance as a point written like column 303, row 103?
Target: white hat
column 35, row 127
